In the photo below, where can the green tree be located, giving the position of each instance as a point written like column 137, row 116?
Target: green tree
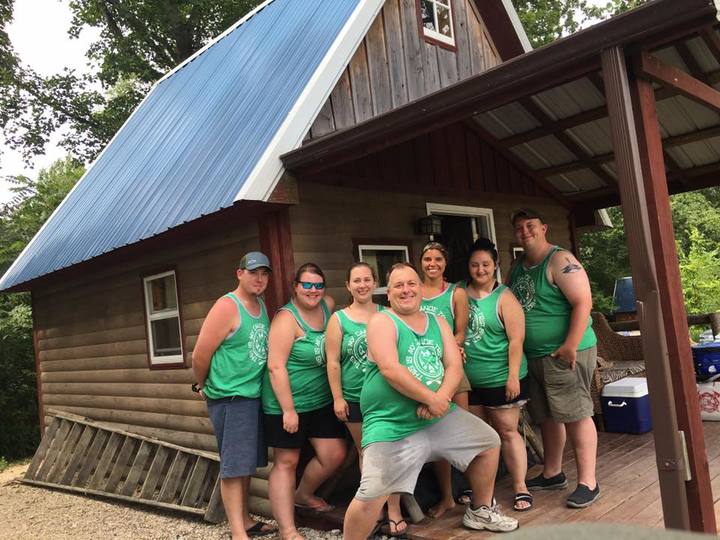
column 139, row 42
column 547, row 20
column 700, row 273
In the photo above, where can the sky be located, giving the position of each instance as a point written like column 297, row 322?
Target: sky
column 39, row 35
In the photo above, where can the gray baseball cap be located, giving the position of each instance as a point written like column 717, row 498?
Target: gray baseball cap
column 253, row 260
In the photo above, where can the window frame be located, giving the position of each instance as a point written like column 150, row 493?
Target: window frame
column 433, row 37
column 387, row 245
column 162, row 362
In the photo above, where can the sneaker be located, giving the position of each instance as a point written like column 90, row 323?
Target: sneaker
column 489, row 519
column 583, row 496
column 539, row 483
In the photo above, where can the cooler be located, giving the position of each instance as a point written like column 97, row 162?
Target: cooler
column 626, row 406
column 707, row 359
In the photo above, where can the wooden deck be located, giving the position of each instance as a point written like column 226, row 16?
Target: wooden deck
column 628, row 479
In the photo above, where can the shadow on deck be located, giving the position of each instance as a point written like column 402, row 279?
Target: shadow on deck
column 628, row 479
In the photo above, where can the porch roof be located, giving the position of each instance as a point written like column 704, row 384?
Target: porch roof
column 546, row 110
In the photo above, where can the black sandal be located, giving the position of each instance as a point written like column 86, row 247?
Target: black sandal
column 396, row 534
column 261, row 529
column 523, row 497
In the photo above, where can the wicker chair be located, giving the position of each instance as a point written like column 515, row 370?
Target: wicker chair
column 618, row 357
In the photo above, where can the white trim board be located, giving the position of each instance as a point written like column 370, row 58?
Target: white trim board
column 269, row 169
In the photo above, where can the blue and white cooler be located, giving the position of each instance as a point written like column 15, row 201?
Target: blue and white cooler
column 626, row 406
column 707, row 359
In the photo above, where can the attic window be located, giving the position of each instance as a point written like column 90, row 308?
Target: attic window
column 163, row 320
column 436, row 20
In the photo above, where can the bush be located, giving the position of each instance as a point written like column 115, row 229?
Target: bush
column 20, row 433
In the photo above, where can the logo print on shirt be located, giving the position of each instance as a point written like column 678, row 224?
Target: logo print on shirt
column 433, row 310
column 424, row 360
column 258, row 344
column 319, row 350
column 357, row 344
column 524, row 289
column 476, row 325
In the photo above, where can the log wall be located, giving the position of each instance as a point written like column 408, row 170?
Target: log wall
column 395, row 65
column 92, row 344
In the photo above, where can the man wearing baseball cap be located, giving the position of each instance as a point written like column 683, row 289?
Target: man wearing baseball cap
column 560, row 345
column 229, row 361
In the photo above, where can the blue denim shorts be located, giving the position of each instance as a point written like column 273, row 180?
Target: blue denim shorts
column 237, row 423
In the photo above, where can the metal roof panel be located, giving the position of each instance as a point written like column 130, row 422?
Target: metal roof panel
column 190, row 145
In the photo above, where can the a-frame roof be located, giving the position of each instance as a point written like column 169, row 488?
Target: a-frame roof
column 208, row 134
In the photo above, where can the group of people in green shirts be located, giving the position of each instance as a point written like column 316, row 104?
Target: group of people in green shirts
column 440, row 375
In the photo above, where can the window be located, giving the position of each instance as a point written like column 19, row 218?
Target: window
column 437, row 21
column 381, row 258
column 163, row 319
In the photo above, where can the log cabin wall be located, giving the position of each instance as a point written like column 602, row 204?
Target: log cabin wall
column 381, row 197
column 92, row 342
column 395, row 65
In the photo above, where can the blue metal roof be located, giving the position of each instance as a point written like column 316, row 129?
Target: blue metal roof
column 193, row 142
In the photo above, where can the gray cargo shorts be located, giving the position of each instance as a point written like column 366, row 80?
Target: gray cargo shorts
column 561, row 393
column 393, row 467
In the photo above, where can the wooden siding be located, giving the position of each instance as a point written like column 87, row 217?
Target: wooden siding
column 330, row 218
column 92, row 345
column 394, row 65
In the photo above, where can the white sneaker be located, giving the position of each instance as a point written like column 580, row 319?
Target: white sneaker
column 490, row 519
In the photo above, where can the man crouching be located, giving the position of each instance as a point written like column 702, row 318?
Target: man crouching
column 408, row 414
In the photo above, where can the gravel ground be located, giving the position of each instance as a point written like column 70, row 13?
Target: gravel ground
column 36, row 513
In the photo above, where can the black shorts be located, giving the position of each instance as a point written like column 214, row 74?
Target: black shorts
column 318, row 424
column 355, row 415
column 495, row 397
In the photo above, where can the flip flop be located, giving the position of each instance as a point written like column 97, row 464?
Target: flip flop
column 320, row 508
column 396, row 534
column 261, row 529
column 523, row 497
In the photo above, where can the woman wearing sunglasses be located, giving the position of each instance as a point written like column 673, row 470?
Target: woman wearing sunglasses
column 347, row 361
column 297, row 401
column 450, row 302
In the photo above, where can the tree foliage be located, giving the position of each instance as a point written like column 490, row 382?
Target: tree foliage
column 547, row 20
column 139, row 42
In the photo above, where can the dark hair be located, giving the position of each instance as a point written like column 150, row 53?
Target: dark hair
column 401, row 264
column 484, row 244
column 308, row 267
column 360, row 264
column 437, row 246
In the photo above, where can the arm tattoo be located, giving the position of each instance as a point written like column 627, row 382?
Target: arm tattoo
column 571, row 267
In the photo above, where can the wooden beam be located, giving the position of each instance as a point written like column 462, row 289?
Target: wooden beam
column 689, row 61
column 557, row 63
column 687, row 504
column 583, row 155
column 652, row 68
column 276, row 243
column 672, row 304
column 38, row 378
column 517, row 162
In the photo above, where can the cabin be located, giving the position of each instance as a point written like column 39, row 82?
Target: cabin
column 356, row 130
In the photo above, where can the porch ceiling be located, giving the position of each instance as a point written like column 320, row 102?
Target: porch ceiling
column 546, row 110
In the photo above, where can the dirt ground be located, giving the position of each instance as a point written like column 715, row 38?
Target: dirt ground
column 36, row 513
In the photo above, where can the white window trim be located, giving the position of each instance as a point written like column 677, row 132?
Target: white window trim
column 434, row 34
column 382, row 247
column 469, row 211
column 160, row 315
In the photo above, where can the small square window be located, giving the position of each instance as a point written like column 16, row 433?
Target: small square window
column 163, row 319
column 437, row 21
column 381, row 258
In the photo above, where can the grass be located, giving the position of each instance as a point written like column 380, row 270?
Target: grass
column 4, row 464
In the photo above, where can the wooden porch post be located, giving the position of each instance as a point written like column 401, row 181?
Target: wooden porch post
column 684, row 483
column 276, row 243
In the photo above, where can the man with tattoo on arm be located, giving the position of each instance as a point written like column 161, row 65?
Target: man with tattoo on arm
column 560, row 345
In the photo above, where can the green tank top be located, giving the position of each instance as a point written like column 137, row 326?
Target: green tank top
column 547, row 311
column 353, row 355
column 389, row 415
column 486, row 343
column 306, row 369
column 441, row 305
column 238, row 364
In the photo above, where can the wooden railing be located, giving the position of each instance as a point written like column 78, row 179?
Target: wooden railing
column 713, row 319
